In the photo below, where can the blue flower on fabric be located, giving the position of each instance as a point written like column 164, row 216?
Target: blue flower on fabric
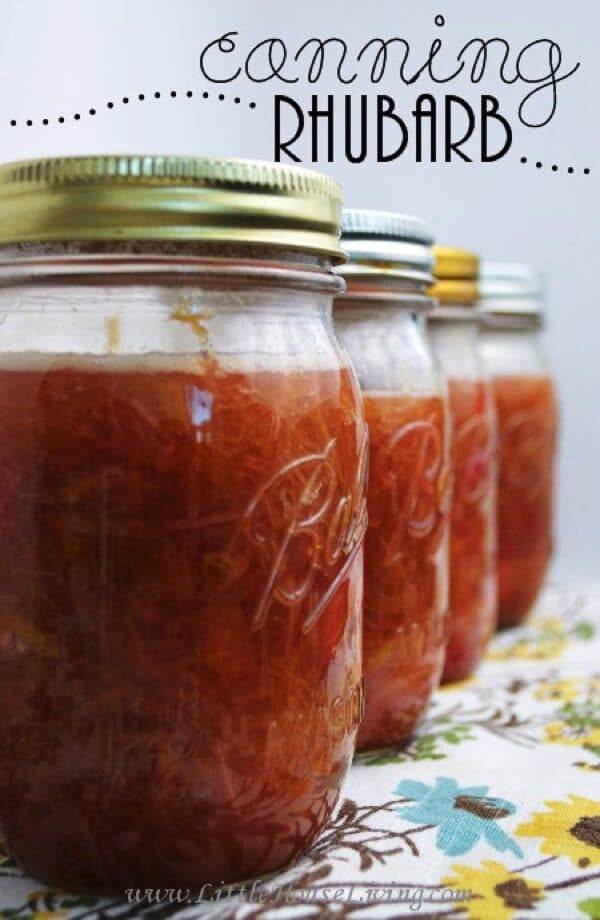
column 463, row 816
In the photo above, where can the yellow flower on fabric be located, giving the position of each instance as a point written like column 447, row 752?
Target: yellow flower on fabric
column 495, row 893
column 554, row 625
column 562, row 733
column 567, row 690
column 529, row 650
column 564, row 691
column 547, row 639
column 569, row 829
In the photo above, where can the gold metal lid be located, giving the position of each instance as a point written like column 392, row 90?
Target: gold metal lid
column 170, row 198
column 456, row 272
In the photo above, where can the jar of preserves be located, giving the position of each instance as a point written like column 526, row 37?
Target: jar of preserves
column 454, row 330
column 526, row 406
column 182, row 467
column 380, row 320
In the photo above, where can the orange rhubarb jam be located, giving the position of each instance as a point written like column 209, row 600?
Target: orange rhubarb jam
column 179, row 642
column 472, row 527
column 405, row 563
column 527, row 421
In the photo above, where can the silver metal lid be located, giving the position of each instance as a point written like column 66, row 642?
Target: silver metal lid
column 386, row 245
column 511, row 294
column 364, row 222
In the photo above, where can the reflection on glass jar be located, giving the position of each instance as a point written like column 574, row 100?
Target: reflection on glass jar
column 454, row 331
column 527, row 420
column 380, row 320
column 182, row 472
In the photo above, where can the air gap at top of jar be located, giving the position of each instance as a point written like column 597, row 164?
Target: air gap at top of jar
column 380, row 320
column 182, row 466
column 454, row 330
column 511, row 308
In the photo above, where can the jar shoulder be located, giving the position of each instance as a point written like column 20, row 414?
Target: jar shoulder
column 391, row 354
column 244, row 327
column 514, row 353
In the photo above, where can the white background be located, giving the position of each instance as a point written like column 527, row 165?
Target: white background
column 66, row 56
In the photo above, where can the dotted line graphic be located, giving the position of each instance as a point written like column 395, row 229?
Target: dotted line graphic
column 126, row 100
column 555, row 168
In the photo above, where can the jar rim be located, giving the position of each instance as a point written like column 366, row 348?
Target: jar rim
column 515, row 316
column 455, row 312
column 55, row 264
column 387, row 289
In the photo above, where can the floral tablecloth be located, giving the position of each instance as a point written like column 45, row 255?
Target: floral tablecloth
column 491, row 813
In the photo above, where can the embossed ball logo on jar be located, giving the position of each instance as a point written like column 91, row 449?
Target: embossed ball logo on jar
column 309, row 528
column 473, row 451
column 412, row 495
column 347, row 711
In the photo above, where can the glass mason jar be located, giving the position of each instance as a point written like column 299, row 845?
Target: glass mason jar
column 454, row 330
column 526, row 406
column 380, row 320
column 182, row 468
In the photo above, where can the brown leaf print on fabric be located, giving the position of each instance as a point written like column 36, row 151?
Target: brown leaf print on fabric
column 516, row 893
column 482, row 807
